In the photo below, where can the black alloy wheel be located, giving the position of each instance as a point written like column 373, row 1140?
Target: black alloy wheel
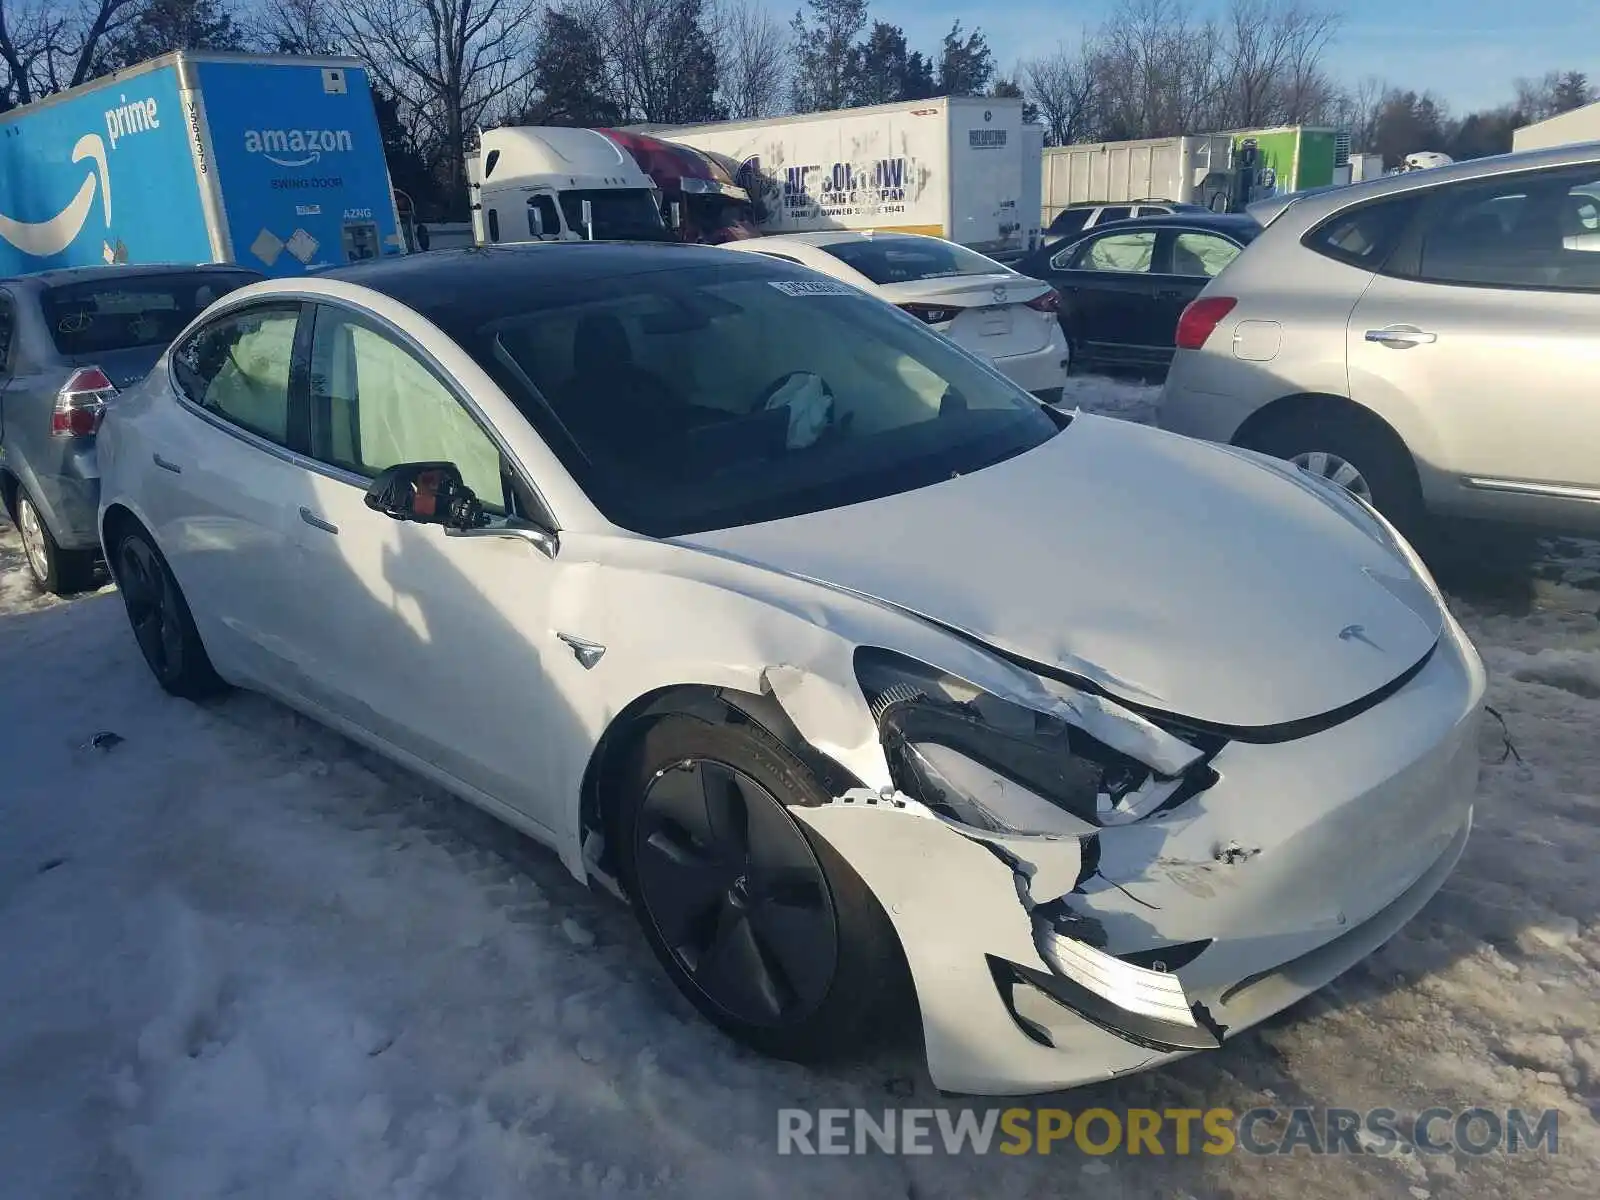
column 736, row 893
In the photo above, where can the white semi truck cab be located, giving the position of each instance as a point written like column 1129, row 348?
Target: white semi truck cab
column 536, row 183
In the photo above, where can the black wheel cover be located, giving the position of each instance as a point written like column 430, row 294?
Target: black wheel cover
column 736, row 893
column 152, row 607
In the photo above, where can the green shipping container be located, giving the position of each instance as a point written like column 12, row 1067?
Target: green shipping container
column 1300, row 156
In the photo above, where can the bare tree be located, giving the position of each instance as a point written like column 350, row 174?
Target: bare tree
column 661, row 56
column 1155, row 71
column 446, row 61
column 1358, row 108
column 1308, row 94
column 26, row 33
column 1272, row 62
column 296, row 27
column 1062, row 87
column 48, row 45
column 752, row 60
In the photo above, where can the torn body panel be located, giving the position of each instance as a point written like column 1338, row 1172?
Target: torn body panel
column 1300, row 860
column 672, row 617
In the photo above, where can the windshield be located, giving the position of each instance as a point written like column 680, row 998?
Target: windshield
column 707, row 397
column 620, row 214
column 905, row 260
column 719, row 218
column 107, row 315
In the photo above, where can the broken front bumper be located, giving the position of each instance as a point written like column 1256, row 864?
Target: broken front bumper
column 1034, row 959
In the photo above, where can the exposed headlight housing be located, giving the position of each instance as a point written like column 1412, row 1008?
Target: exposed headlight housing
column 1004, row 767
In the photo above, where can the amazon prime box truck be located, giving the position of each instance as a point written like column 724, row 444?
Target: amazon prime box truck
column 267, row 161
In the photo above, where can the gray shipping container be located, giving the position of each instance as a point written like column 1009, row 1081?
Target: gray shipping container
column 1189, row 170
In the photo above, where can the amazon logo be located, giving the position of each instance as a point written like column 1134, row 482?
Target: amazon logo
column 42, row 239
column 296, row 147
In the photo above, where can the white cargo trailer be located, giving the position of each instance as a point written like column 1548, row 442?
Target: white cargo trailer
column 1188, row 170
column 952, row 167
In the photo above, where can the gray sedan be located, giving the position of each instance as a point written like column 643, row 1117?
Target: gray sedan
column 68, row 340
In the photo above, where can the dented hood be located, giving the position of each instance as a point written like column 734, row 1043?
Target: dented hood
column 1172, row 573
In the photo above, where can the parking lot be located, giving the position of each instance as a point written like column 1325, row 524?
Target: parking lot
column 246, row 958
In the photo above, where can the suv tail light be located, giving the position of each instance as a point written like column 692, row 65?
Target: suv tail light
column 933, row 314
column 1050, row 302
column 1200, row 320
column 81, row 403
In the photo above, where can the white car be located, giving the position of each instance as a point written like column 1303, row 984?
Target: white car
column 979, row 304
column 846, row 661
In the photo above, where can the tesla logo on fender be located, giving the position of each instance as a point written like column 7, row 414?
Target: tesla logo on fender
column 1000, row 294
column 1357, row 633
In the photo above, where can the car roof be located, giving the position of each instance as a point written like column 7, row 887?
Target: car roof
column 835, row 237
column 471, row 285
column 1240, row 223
column 61, row 276
column 1313, row 205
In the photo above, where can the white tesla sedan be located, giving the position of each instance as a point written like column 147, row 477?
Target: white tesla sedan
column 847, row 662
column 980, row 305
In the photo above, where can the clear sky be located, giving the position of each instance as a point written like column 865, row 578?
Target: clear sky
column 1467, row 51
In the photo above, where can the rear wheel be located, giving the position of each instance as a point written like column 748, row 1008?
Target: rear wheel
column 1346, row 446
column 161, row 621
column 55, row 570
column 758, row 922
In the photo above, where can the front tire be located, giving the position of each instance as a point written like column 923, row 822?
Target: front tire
column 762, row 926
column 57, row 571
column 162, row 624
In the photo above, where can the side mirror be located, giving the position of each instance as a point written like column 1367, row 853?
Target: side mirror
column 429, row 493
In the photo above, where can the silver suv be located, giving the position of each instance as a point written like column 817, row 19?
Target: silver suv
column 1430, row 340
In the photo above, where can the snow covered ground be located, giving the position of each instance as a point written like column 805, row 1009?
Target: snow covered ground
column 240, row 957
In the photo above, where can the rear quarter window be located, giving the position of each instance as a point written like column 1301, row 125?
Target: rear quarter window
column 1363, row 237
column 906, row 260
column 101, row 316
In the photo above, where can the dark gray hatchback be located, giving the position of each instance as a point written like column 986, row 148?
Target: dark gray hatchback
column 69, row 340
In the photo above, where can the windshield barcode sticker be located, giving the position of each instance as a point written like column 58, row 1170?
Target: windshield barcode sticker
column 807, row 287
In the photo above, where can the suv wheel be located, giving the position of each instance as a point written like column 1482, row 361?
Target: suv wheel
column 1353, row 449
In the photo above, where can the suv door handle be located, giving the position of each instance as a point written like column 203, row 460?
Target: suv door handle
column 1401, row 337
column 316, row 522
column 165, row 465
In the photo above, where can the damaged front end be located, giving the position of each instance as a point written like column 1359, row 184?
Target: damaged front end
column 1032, row 782
column 1068, row 764
column 1082, row 892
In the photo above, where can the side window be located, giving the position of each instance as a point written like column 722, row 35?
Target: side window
column 1363, row 237
column 7, row 327
column 1118, row 213
column 238, row 368
column 1528, row 231
column 543, row 219
column 1201, row 254
column 494, row 225
column 1070, row 220
column 1122, row 252
column 374, row 404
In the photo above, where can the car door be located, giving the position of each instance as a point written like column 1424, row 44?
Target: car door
column 1107, row 290
column 1188, row 260
column 1482, row 323
column 218, row 480
column 427, row 639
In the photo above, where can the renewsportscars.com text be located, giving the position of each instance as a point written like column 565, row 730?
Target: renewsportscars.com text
column 1170, row 1131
